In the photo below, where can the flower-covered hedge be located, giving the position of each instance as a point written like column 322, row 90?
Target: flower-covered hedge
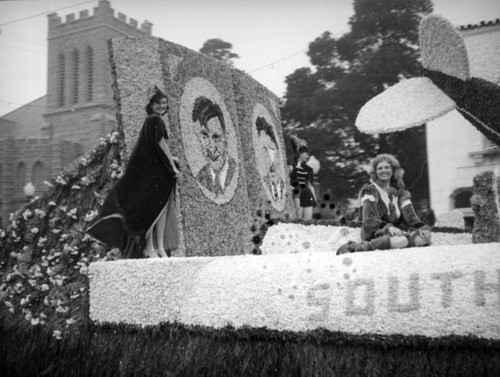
column 45, row 252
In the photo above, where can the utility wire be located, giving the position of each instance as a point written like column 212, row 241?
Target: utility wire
column 296, row 53
column 280, row 60
column 44, row 13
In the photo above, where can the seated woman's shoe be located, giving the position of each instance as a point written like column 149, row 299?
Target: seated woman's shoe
column 352, row 247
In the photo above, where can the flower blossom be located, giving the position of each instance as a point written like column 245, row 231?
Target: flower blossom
column 61, row 180
column 40, row 213
column 57, row 334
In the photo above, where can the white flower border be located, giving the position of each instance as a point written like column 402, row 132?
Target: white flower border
column 297, row 238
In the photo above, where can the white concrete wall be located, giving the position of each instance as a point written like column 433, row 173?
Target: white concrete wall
column 451, row 138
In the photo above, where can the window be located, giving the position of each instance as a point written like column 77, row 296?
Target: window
column 461, row 197
column 38, row 173
column 62, row 78
column 90, row 74
column 76, row 75
column 21, row 175
column 461, row 201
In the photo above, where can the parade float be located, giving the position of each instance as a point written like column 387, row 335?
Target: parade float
column 250, row 291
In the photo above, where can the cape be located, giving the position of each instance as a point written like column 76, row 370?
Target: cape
column 137, row 199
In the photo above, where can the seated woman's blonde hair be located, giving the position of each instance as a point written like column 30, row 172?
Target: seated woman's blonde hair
column 397, row 171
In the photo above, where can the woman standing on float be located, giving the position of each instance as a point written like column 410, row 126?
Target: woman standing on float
column 389, row 220
column 138, row 216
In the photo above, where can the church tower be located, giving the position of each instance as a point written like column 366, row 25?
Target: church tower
column 80, row 105
column 77, row 110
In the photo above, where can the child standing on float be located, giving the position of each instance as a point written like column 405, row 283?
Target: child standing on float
column 138, row 216
column 301, row 178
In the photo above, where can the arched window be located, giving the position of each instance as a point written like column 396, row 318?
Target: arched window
column 90, row 74
column 62, row 79
column 76, row 75
column 38, row 175
column 21, row 175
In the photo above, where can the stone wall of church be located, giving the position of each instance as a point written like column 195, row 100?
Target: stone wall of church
column 30, row 160
column 80, row 106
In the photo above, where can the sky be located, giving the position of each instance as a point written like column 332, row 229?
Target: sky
column 270, row 36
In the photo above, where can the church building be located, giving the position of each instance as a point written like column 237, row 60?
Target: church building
column 42, row 137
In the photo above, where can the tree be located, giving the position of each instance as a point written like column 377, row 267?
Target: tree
column 321, row 105
column 219, row 49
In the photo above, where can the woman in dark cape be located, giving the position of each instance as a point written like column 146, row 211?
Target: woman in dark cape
column 140, row 210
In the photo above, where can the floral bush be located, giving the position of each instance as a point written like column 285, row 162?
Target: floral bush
column 45, row 250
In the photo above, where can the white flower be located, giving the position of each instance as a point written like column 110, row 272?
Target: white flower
column 75, row 187
column 2, row 233
column 34, row 230
column 56, row 231
column 73, row 214
column 44, row 287
column 85, row 181
column 41, row 242
column 61, row 180
column 27, row 214
column 114, row 137
column 84, row 161
column 52, row 203
column 35, row 321
column 70, row 321
column 40, row 213
column 48, row 183
column 91, row 215
column 57, row 334
column 25, row 300
column 62, row 309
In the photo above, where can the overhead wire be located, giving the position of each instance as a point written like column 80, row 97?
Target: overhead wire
column 44, row 13
column 91, row 1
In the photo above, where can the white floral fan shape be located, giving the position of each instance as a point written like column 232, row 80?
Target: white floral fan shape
column 415, row 101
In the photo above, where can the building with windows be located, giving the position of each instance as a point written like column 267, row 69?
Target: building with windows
column 457, row 151
column 40, row 138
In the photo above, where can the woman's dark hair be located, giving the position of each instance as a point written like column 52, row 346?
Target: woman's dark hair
column 156, row 97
